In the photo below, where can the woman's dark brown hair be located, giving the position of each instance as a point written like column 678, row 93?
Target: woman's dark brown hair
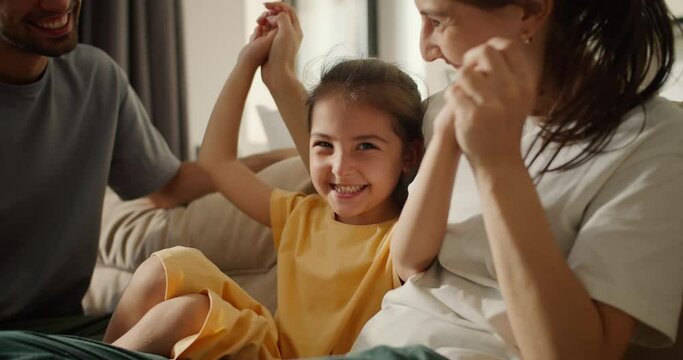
column 382, row 86
column 608, row 57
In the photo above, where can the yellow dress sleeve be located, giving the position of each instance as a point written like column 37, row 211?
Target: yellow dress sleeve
column 282, row 203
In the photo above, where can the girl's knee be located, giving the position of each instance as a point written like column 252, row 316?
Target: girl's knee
column 195, row 305
column 186, row 312
column 150, row 276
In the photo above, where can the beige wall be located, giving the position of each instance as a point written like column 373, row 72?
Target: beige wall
column 674, row 89
column 676, row 7
column 215, row 31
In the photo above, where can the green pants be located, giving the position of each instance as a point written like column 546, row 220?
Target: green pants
column 22, row 345
column 25, row 345
column 90, row 326
column 418, row 352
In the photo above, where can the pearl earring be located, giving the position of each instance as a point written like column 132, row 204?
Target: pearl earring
column 526, row 39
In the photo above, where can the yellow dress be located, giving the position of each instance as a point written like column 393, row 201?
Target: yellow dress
column 331, row 280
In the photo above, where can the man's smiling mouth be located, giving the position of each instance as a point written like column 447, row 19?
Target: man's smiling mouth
column 53, row 23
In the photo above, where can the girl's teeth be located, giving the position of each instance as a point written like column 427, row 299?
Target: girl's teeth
column 347, row 189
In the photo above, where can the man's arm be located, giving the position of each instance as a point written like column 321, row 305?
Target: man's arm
column 192, row 182
column 260, row 161
column 189, row 183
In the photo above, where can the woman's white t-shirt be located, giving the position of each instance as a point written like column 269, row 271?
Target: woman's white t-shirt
column 617, row 218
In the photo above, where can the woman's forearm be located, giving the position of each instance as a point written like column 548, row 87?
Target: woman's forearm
column 551, row 313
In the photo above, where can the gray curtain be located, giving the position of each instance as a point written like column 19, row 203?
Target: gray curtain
column 146, row 38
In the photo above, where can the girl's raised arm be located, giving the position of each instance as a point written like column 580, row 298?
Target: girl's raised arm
column 421, row 227
column 218, row 154
column 279, row 73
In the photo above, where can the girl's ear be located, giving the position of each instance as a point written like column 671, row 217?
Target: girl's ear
column 412, row 156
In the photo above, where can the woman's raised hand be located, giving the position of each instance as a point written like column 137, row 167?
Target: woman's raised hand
column 494, row 94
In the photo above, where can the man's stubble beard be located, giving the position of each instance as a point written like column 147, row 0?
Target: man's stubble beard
column 27, row 45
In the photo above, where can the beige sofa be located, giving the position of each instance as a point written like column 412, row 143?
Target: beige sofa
column 242, row 248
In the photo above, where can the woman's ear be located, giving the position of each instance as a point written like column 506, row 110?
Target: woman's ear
column 535, row 14
column 412, row 156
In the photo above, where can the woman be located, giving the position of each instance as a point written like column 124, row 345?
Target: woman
column 563, row 251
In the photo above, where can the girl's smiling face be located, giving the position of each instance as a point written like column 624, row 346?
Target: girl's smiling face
column 356, row 160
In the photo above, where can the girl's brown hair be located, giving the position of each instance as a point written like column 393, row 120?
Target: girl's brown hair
column 608, row 56
column 382, row 86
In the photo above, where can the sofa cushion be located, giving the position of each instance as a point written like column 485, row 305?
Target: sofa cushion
column 238, row 245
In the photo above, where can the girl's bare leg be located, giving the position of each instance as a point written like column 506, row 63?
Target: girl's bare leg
column 165, row 324
column 146, row 289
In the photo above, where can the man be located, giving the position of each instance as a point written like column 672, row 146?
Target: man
column 70, row 124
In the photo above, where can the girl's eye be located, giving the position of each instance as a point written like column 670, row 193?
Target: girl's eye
column 366, row 146
column 323, row 144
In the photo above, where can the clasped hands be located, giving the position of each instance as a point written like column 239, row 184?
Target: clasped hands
column 486, row 106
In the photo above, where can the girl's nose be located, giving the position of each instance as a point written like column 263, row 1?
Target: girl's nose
column 343, row 165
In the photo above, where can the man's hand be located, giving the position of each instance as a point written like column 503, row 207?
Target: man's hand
column 189, row 183
column 260, row 161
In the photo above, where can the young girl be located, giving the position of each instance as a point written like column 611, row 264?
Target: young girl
column 333, row 247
